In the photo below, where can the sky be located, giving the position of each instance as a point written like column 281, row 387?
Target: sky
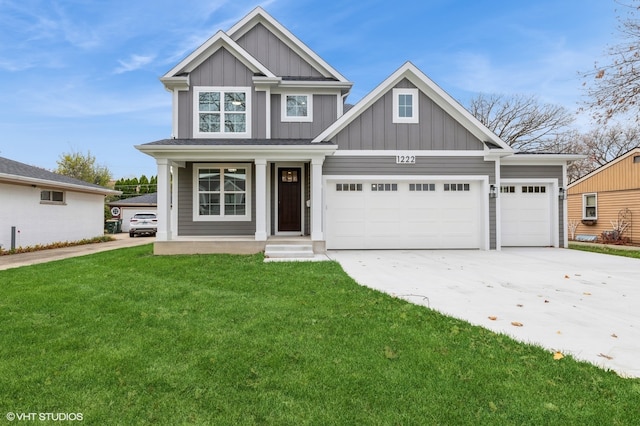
column 83, row 75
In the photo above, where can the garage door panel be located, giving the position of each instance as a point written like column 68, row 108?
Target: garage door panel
column 396, row 217
column 526, row 215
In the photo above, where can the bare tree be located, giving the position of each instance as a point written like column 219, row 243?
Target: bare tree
column 521, row 121
column 614, row 88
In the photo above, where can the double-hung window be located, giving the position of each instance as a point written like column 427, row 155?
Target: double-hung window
column 222, row 192
column 296, row 107
column 405, row 106
column 222, row 112
column 51, row 197
column 589, row 206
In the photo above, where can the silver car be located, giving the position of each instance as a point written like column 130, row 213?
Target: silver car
column 143, row 223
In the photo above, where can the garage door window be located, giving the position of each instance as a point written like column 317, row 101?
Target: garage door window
column 534, row 189
column 342, row 187
column 456, row 187
column 422, row 187
column 383, row 187
column 589, row 206
column 508, row 189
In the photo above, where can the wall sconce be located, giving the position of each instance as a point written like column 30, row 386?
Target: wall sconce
column 562, row 193
column 493, row 191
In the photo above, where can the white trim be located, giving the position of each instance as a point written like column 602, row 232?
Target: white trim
column 584, row 206
column 417, row 153
column 222, row 134
column 299, row 119
column 553, row 200
column 602, row 168
column 222, row 218
column 415, row 113
column 482, row 179
column 431, row 90
column 285, row 165
column 9, row 178
column 498, row 183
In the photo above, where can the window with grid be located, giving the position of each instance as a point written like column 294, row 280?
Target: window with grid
column 297, row 108
column 222, row 111
column 222, row 193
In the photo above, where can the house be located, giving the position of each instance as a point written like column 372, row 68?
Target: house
column 264, row 149
column 39, row 207
column 127, row 207
column 608, row 198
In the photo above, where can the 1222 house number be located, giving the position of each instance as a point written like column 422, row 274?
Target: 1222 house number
column 405, row 159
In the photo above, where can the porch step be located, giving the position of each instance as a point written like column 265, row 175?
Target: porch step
column 288, row 251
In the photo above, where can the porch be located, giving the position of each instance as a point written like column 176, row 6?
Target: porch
column 231, row 244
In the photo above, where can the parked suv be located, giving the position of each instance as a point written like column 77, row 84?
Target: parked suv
column 143, row 223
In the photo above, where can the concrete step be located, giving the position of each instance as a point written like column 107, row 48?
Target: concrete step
column 287, row 251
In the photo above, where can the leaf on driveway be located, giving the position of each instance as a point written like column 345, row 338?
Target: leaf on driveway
column 516, row 324
column 558, row 355
column 566, row 276
column 493, row 318
column 586, row 293
column 614, row 335
column 604, row 356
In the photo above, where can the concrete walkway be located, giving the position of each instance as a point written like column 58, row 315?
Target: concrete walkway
column 579, row 303
column 42, row 256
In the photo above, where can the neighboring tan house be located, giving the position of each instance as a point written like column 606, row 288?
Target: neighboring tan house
column 262, row 149
column 127, row 207
column 608, row 198
column 39, row 207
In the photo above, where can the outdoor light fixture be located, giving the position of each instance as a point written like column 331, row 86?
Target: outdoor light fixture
column 493, row 191
column 561, row 193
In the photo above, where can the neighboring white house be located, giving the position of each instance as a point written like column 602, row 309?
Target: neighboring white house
column 39, row 207
column 129, row 206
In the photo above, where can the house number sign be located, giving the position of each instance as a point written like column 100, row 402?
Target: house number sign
column 405, row 159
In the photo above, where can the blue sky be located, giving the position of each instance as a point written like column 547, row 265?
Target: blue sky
column 82, row 75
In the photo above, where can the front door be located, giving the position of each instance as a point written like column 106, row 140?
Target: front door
column 289, row 199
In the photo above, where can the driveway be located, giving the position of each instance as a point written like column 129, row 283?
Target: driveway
column 583, row 304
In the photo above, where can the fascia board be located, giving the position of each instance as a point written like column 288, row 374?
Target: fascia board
column 605, row 166
column 259, row 15
column 542, row 159
column 202, row 53
column 246, row 152
column 44, row 183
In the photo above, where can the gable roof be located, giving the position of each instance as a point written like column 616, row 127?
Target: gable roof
column 434, row 92
column 16, row 172
column 202, row 53
column 260, row 16
column 150, row 199
column 632, row 152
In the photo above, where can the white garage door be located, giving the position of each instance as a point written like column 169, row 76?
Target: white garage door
column 395, row 214
column 526, row 215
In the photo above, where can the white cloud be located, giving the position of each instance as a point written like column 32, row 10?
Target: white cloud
column 134, row 62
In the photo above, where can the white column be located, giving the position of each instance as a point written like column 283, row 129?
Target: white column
column 261, row 199
column 498, row 207
column 164, row 200
column 316, row 199
column 173, row 201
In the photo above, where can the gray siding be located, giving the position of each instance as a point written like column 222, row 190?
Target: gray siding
column 263, row 45
column 221, row 69
column 325, row 112
column 425, row 166
column 186, row 225
column 437, row 130
column 539, row 172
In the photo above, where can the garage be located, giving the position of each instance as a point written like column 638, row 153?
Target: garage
column 526, row 214
column 404, row 214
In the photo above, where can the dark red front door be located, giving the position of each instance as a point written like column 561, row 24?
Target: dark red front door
column 289, row 199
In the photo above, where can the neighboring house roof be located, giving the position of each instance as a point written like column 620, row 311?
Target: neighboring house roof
column 20, row 173
column 139, row 201
column 433, row 91
column 632, row 152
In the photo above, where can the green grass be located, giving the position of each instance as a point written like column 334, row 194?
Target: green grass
column 125, row 337
column 607, row 250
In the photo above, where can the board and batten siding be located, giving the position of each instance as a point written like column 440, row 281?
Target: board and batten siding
column 325, row 112
column 436, row 130
column 188, row 227
column 219, row 70
column 279, row 58
column 539, row 172
column 424, row 166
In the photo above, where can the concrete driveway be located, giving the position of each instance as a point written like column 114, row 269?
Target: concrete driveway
column 583, row 304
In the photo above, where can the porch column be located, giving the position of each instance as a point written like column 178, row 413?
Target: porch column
column 316, row 199
column 164, row 200
column 261, row 199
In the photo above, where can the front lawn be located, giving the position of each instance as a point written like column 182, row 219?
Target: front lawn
column 607, row 250
column 125, row 337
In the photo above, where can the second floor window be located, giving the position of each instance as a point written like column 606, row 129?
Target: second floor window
column 222, row 111
column 297, row 108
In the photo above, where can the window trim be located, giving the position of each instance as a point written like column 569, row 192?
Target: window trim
column 51, row 200
column 584, row 206
column 222, row 90
column 197, row 217
column 295, row 119
column 414, row 106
